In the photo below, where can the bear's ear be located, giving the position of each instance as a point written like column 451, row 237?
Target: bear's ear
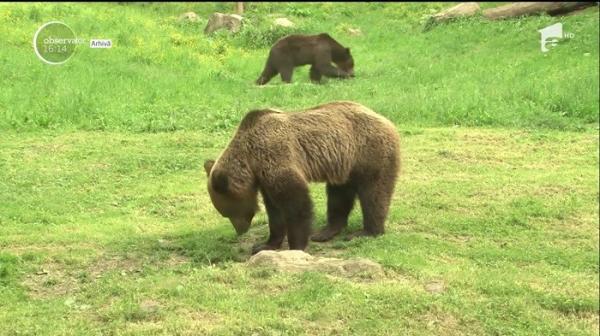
column 208, row 164
column 219, row 182
column 348, row 51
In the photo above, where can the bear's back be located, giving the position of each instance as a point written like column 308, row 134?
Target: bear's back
column 340, row 137
column 346, row 114
column 327, row 142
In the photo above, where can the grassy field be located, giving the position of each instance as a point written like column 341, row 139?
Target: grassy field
column 106, row 226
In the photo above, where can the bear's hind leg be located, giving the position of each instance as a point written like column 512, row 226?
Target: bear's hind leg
column 315, row 74
column 276, row 228
column 340, row 201
column 286, row 73
column 375, row 196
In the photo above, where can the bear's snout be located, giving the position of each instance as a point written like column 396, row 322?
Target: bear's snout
column 241, row 225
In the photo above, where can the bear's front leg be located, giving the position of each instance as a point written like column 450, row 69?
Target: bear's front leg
column 290, row 195
column 276, row 228
column 328, row 70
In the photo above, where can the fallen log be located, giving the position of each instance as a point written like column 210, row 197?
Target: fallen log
column 517, row 9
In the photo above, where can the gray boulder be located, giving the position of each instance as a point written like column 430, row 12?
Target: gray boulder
column 231, row 22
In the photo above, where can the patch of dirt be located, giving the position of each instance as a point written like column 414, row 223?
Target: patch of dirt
column 124, row 265
column 299, row 261
column 50, row 249
column 150, row 306
column 133, row 265
column 51, row 280
column 446, row 259
column 460, row 239
column 435, row 287
column 440, row 322
column 337, row 326
column 591, row 320
column 326, row 250
column 145, row 327
column 98, row 166
column 56, row 279
column 201, row 322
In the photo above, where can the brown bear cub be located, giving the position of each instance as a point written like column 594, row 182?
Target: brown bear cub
column 348, row 146
column 317, row 50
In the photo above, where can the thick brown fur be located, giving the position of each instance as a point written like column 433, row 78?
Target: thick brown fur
column 344, row 144
column 317, row 50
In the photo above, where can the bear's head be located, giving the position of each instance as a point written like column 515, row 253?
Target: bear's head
column 345, row 62
column 239, row 207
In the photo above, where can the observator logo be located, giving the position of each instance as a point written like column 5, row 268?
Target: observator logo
column 54, row 42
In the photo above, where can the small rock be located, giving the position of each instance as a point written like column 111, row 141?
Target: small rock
column 283, row 22
column 42, row 272
column 231, row 22
column 189, row 16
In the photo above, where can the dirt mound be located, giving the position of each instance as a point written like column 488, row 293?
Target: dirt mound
column 299, row 261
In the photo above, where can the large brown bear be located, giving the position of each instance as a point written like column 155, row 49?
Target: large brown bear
column 318, row 50
column 348, row 146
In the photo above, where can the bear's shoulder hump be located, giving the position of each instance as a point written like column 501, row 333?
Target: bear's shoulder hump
column 253, row 117
column 325, row 35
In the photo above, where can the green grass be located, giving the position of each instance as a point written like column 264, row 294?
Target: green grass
column 106, row 226
column 163, row 75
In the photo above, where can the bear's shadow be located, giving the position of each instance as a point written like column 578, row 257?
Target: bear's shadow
column 219, row 245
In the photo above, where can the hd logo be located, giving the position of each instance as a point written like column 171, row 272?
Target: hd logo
column 551, row 35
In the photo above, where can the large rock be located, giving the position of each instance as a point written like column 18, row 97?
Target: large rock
column 460, row 10
column 299, row 261
column 231, row 22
